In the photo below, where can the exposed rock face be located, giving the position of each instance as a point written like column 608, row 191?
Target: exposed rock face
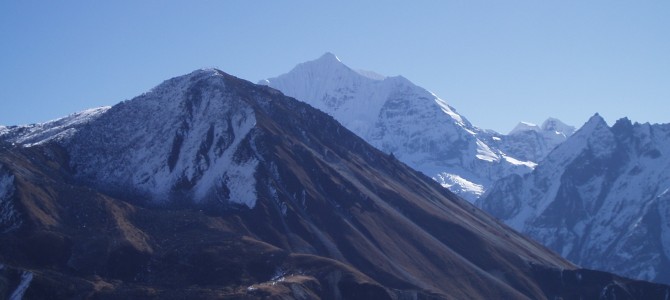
column 142, row 202
column 600, row 199
column 181, row 139
column 9, row 217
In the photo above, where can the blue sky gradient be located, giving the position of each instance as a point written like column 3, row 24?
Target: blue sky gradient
column 496, row 62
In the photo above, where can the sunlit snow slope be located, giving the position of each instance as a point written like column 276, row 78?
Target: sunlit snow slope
column 55, row 130
column 398, row 117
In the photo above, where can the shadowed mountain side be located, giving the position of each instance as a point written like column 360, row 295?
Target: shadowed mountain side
column 600, row 199
column 329, row 215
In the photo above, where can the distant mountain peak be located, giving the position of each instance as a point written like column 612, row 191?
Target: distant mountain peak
column 556, row 125
column 397, row 116
column 597, row 117
column 329, row 57
column 596, row 121
column 623, row 122
column 550, row 125
column 327, row 61
column 529, row 141
column 524, row 126
column 595, row 198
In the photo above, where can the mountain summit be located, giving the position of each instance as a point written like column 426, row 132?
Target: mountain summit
column 183, row 138
column 531, row 142
column 398, row 117
column 329, row 57
column 212, row 187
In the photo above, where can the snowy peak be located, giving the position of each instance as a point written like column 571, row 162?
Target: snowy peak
column 325, row 83
column 356, row 99
column 595, row 198
column 192, row 137
column 595, row 122
column 55, row 130
column 328, row 62
column 555, row 125
column 551, row 126
column 328, row 58
column 598, row 136
column 525, row 126
column 399, row 117
column 530, row 142
column 181, row 139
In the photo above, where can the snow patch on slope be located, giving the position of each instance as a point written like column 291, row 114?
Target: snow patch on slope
column 450, row 111
column 26, row 278
column 516, row 162
column 55, row 130
column 181, row 138
column 485, row 153
column 9, row 217
column 459, row 184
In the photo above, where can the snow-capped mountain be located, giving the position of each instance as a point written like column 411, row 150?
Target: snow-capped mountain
column 49, row 131
column 419, row 128
column 180, row 137
column 530, row 142
column 601, row 199
column 391, row 113
column 212, row 187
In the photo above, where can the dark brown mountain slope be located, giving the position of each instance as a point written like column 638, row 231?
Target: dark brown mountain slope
column 329, row 217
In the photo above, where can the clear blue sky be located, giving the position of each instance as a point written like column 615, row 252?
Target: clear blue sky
column 496, row 62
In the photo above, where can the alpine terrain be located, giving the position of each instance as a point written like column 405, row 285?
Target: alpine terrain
column 416, row 126
column 530, row 142
column 599, row 199
column 212, row 187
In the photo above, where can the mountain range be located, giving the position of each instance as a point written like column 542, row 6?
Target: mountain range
column 599, row 199
column 603, row 213
column 419, row 128
column 530, row 142
column 210, row 187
